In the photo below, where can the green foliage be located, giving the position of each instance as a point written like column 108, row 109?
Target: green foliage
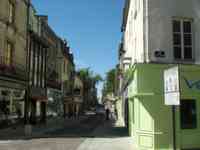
column 110, row 82
column 89, row 78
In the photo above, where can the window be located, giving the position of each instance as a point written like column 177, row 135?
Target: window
column 11, row 12
column 8, row 54
column 36, row 66
column 182, row 39
column 188, row 114
column 64, row 66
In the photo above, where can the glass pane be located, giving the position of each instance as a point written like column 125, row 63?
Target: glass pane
column 188, row 52
column 176, row 26
column 177, row 39
column 188, row 114
column 11, row 11
column 187, row 27
column 177, row 52
column 187, row 39
column 8, row 54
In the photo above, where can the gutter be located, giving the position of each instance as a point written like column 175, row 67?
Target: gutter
column 125, row 14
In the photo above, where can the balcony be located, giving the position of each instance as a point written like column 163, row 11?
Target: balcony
column 14, row 70
column 54, row 84
column 53, row 79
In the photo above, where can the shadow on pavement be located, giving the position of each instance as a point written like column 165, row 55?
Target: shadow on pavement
column 94, row 126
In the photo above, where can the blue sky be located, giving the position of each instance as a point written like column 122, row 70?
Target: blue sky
column 92, row 28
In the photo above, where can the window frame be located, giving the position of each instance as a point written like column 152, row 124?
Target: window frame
column 182, row 34
column 11, row 13
column 64, row 65
column 8, row 60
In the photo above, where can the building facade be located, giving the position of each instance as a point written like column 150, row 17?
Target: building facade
column 159, row 34
column 67, row 76
column 37, row 62
column 53, row 72
column 37, row 69
column 77, row 95
column 69, row 85
column 12, row 62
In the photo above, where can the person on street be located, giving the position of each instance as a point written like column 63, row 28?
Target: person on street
column 107, row 113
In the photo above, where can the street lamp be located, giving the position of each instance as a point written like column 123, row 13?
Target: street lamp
column 127, row 61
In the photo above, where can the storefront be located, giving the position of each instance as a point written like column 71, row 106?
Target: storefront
column 11, row 102
column 150, row 120
column 69, row 105
column 55, row 102
column 38, row 101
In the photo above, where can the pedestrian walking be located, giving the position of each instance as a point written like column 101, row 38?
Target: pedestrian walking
column 107, row 113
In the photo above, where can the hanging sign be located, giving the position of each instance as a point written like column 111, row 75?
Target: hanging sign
column 171, row 86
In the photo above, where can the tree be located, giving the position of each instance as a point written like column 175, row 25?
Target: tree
column 97, row 78
column 89, row 77
column 90, row 81
column 110, row 82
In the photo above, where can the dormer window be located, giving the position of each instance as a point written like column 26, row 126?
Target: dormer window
column 11, row 12
column 182, row 39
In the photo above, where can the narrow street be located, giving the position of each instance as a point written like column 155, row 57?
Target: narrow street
column 90, row 133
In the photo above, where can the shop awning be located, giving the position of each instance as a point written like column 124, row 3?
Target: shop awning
column 40, row 98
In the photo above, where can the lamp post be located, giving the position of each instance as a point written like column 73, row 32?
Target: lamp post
column 127, row 62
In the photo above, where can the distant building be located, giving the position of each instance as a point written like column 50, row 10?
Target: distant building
column 78, row 95
column 159, row 34
column 53, row 69
column 68, row 86
column 73, row 99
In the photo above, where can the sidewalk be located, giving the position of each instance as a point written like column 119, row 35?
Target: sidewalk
column 38, row 130
column 108, row 137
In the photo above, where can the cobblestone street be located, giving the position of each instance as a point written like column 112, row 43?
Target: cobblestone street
column 90, row 133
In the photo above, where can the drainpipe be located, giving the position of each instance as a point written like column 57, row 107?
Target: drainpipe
column 146, row 33
column 27, row 95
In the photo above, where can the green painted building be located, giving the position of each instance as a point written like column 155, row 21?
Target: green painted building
column 150, row 120
column 157, row 35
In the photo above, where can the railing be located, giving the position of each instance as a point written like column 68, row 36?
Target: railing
column 12, row 70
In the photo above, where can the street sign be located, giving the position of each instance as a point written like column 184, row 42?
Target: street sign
column 171, row 86
column 37, row 92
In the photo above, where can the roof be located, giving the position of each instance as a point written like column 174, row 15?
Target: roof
column 125, row 14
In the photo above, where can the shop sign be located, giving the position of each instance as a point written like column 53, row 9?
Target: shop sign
column 38, row 92
column 171, row 86
column 192, row 84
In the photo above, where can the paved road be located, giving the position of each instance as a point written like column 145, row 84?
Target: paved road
column 91, row 133
column 67, row 138
column 108, row 137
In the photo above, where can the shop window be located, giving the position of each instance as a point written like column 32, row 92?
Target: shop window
column 5, row 92
column 188, row 114
column 77, row 91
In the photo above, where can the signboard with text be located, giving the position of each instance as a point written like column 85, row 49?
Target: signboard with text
column 171, row 86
